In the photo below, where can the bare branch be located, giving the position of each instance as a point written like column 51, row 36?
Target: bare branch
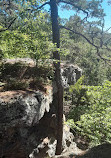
column 43, row 5
column 74, row 5
column 102, row 34
column 9, row 25
column 105, row 43
column 39, row 7
column 97, row 47
column 108, row 29
column 98, row 53
column 78, row 33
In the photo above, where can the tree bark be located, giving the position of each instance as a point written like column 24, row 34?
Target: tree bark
column 58, row 94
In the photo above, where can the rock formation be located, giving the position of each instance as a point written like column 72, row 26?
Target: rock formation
column 100, row 151
column 70, row 74
column 28, row 123
column 20, row 114
column 28, row 120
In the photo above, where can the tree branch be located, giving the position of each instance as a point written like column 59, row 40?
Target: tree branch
column 78, row 33
column 97, row 47
column 43, row 5
column 21, row 14
column 39, row 7
column 108, row 29
column 74, row 5
column 9, row 25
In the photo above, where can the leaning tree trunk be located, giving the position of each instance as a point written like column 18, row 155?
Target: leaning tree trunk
column 58, row 89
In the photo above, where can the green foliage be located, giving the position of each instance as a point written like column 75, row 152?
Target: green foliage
column 78, row 91
column 108, row 73
column 77, row 86
column 94, row 117
column 80, row 99
column 84, row 55
column 1, row 54
column 14, row 44
column 28, row 41
column 94, row 68
column 30, row 36
column 78, row 51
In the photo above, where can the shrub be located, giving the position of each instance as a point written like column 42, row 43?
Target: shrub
column 93, row 118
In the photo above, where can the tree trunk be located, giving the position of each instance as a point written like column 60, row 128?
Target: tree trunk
column 58, row 89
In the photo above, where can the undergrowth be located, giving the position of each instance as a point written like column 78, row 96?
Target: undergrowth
column 21, row 76
column 91, row 112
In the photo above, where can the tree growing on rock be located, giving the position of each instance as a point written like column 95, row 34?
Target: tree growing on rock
column 87, row 10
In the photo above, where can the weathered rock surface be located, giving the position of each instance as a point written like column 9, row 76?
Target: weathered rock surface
column 20, row 117
column 100, row 151
column 25, row 109
column 28, row 126
column 70, row 74
column 49, row 145
column 28, row 123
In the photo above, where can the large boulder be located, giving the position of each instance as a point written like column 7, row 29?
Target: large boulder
column 20, row 114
